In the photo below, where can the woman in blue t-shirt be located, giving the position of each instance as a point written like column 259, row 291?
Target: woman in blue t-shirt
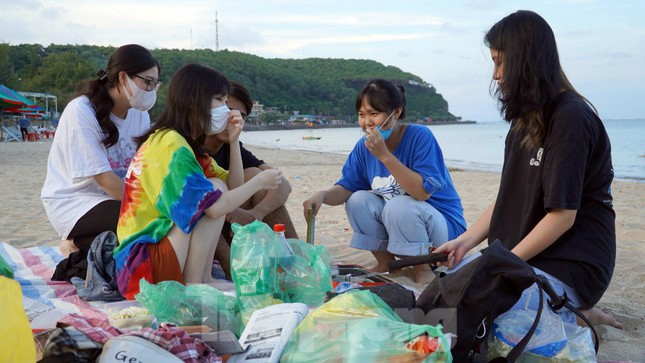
column 398, row 194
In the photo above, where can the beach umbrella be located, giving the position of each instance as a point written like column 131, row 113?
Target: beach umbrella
column 22, row 110
column 8, row 99
column 17, row 96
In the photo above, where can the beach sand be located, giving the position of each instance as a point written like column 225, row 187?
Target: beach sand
column 23, row 223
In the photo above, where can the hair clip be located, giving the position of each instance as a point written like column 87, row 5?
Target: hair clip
column 102, row 75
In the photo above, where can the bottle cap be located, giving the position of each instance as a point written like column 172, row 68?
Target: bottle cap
column 278, row 227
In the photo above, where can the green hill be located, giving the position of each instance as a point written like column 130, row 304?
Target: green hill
column 311, row 86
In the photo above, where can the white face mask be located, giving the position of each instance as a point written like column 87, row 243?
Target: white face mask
column 219, row 119
column 141, row 100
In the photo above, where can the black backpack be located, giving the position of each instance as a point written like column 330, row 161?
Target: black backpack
column 467, row 301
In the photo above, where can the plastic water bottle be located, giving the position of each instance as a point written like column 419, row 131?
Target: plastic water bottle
column 287, row 253
column 255, row 277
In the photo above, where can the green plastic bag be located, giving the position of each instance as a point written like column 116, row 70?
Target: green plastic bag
column 307, row 277
column 259, row 266
column 170, row 301
column 358, row 326
column 254, row 256
column 5, row 269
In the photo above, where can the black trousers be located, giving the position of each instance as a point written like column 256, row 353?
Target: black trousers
column 103, row 217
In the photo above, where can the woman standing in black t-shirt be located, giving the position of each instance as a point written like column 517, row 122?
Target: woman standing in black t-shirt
column 554, row 206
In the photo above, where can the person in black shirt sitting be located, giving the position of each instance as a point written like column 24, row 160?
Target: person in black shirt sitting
column 268, row 205
column 554, row 206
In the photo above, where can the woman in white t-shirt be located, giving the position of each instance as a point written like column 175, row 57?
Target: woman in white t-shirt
column 92, row 150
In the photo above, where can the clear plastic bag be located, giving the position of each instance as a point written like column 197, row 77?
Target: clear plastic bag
column 555, row 339
column 307, row 277
column 259, row 266
column 170, row 301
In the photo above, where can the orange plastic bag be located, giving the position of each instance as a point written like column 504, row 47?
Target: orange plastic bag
column 17, row 342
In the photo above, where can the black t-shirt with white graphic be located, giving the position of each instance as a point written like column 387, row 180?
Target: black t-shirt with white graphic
column 572, row 170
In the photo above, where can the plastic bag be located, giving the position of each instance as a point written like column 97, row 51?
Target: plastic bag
column 259, row 266
column 253, row 269
column 307, row 277
column 249, row 304
column 555, row 339
column 5, row 269
column 129, row 348
column 15, row 331
column 358, row 326
column 170, row 301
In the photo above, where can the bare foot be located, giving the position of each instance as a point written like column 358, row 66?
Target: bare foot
column 601, row 317
column 67, row 247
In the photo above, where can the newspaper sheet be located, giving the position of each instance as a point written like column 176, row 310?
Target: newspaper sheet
column 268, row 332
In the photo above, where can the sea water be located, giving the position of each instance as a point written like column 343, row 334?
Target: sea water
column 478, row 146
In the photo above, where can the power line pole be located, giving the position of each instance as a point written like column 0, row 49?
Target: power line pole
column 216, row 33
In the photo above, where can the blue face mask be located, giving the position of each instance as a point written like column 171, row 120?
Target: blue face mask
column 384, row 133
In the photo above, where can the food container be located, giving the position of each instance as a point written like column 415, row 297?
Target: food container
column 129, row 315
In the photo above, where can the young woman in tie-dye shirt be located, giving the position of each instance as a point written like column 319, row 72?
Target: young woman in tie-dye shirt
column 176, row 198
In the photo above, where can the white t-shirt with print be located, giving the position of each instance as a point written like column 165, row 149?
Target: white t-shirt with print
column 77, row 154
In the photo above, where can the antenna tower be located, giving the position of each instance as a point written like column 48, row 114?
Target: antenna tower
column 216, row 34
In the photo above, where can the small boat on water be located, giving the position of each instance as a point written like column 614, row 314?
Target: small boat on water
column 311, row 137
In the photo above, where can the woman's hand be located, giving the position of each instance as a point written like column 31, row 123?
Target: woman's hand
column 375, row 144
column 269, row 179
column 235, row 125
column 315, row 201
column 455, row 249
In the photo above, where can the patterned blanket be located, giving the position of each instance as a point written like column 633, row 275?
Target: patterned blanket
column 33, row 268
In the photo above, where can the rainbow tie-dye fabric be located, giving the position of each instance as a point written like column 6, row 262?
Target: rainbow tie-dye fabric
column 165, row 185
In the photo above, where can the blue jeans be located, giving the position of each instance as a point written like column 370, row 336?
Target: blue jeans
column 402, row 226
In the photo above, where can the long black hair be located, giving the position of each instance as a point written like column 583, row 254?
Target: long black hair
column 383, row 96
column 533, row 76
column 131, row 59
column 188, row 107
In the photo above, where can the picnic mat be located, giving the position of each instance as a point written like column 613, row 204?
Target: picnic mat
column 46, row 301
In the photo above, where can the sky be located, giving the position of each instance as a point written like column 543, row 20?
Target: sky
column 601, row 42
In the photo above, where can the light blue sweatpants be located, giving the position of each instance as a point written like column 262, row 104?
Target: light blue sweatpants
column 402, row 226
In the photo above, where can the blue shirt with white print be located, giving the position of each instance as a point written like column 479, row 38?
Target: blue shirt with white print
column 419, row 151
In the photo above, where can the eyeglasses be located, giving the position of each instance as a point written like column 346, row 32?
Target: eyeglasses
column 151, row 84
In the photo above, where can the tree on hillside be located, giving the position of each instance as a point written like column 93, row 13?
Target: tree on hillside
column 61, row 74
column 313, row 85
column 7, row 74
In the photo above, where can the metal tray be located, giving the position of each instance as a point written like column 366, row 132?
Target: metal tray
column 356, row 273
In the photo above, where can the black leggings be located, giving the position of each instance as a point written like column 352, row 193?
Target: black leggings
column 103, row 217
